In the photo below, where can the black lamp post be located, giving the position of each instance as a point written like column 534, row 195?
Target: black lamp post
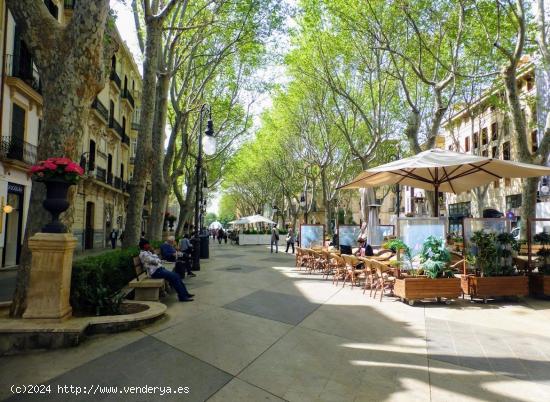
column 398, row 188
column 208, row 145
column 275, row 210
column 303, row 204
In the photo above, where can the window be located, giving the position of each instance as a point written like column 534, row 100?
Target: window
column 467, row 144
column 494, row 131
column 52, row 8
column 111, row 111
column 122, row 171
column 485, row 153
column 513, row 201
column 484, row 137
column 507, row 182
column 91, row 158
column 496, row 184
column 124, row 125
column 460, row 209
column 494, row 152
column 506, row 151
column 133, row 147
column 113, row 63
column 476, row 140
column 534, row 141
column 18, row 119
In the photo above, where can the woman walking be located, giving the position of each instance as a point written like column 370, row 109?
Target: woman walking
column 290, row 240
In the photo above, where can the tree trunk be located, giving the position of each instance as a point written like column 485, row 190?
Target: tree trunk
column 144, row 155
column 68, row 88
column 158, row 179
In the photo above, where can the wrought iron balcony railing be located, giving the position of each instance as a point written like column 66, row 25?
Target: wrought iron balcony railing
column 126, row 94
column 24, row 69
column 14, row 148
column 101, row 174
column 118, row 183
column 125, row 139
column 100, row 107
column 116, row 126
column 135, row 125
column 116, row 79
column 110, row 178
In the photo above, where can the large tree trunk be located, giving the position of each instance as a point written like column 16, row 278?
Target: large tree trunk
column 144, row 155
column 158, row 178
column 69, row 86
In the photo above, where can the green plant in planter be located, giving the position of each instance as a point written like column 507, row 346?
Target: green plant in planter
column 507, row 245
column 543, row 255
column 435, row 258
column 399, row 245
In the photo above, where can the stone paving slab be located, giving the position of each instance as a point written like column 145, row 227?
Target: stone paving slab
column 281, row 307
column 144, row 362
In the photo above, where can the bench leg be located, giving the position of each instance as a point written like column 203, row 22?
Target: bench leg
column 146, row 294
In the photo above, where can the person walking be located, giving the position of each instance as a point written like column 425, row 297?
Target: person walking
column 275, row 238
column 113, row 236
column 290, row 240
column 220, row 235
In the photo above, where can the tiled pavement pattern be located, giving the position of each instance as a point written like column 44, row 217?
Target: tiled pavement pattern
column 267, row 332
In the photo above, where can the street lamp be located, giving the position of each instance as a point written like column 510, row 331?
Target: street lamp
column 398, row 188
column 275, row 210
column 209, row 148
column 303, row 204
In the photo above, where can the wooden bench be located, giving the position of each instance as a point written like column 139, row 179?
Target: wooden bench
column 146, row 289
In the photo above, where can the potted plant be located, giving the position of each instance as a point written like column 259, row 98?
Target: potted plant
column 495, row 274
column 437, row 280
column 57, row 174
column 539, row 282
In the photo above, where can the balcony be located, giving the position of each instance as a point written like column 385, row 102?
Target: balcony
column 101, row 109
column 116, row 79
column 23, row 74
column 135, row 125
column 124, row 186
column 110, row 178
column 16, row 149
column 118, row 183
column 117, row 128
column 128, row 96
column 101, row 174
column 125, row 139
column 132, row 160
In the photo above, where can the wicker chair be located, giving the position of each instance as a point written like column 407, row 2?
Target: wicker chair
column 352, row 273
column 340, row 268
column 382, row 279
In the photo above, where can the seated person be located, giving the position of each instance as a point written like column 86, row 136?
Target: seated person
column 365, row 250
column 185, row 248
column 151, row 262
column 168, row 251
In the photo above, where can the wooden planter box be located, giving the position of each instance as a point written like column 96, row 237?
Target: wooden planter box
column 539, row 285
column 411, row 289
column 494, row 286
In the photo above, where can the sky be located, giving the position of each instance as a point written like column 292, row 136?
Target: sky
column 272, row 73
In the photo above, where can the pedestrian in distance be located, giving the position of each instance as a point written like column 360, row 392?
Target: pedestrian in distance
column 275, row 238
column 113, row 236
column 220, row 235
column 290, row 240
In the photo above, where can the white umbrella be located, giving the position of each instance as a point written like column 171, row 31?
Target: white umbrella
column 215, row 225
column 441, row 170
column 259, row 219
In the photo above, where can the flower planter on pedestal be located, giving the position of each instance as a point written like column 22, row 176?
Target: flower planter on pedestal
column 55, row 203
column 539, row 285
column 412, row 289
column 494, row 286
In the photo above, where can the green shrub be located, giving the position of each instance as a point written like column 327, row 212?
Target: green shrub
column 97, row 280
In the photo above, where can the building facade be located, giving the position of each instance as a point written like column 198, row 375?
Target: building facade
column 108, row 144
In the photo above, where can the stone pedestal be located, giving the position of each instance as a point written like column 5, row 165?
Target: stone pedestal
column 50, row 279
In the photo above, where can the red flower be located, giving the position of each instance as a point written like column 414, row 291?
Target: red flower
column 48, row 165
column 61, row 161
column 74, row 168
column 36, row 169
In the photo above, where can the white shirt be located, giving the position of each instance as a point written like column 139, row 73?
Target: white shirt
column 185, row 244
column 150, row 261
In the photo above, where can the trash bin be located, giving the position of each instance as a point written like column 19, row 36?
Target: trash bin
column 204, row 251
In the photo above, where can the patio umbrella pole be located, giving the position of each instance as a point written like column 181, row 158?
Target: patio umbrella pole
column 436, row 201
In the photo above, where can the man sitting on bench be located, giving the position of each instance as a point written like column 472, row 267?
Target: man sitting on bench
column 169, row 253
column 151, row 262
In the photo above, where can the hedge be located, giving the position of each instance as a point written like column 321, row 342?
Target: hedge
column 97, row 280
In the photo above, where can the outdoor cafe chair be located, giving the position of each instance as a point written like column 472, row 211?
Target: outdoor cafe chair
column 340, row 269
column 352, row 273
column 383, row 280
column 317, row 263
column 370, row 273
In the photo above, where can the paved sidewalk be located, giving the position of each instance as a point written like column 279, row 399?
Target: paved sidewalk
column 260, row 330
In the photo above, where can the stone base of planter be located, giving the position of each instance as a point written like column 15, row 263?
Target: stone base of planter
column 539, row 285
column 495, row 286
column 411, row 289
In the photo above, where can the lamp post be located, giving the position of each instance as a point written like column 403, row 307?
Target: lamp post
column 208, row 145
column 275, row 210
column 303, row 204
column 398, row 188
